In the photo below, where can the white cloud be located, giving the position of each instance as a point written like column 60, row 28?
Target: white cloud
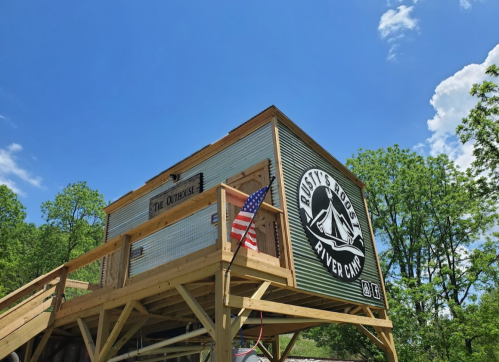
column 394, row 21
column 9, row 168
column 452, row 102
column 8, row 121
column 466, row 4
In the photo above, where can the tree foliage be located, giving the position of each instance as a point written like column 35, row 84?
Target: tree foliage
column 74, row 226
column 482, row 128
column 436, row 261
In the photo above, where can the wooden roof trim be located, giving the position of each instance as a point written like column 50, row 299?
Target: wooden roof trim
column 191, row 161
column 318, row 148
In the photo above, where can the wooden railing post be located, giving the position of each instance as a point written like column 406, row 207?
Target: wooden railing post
column 124, row 260
column 222, row 219
column 61, row 287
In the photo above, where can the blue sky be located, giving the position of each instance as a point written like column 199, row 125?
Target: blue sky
column 113, row 92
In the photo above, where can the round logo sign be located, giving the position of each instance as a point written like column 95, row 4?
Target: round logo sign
column 331, row 224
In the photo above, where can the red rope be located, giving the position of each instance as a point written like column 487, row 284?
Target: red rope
column 259, row 337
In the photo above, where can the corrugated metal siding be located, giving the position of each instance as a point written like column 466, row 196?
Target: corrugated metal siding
column 311, row 275
column 241, row 155
column 186, row 236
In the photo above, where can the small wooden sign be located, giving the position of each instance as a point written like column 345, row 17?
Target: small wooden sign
column 181, row 192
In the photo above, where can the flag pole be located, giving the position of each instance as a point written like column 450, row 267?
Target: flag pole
column 249, row 226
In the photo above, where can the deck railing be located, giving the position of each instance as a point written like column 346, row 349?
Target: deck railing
column 46, row 293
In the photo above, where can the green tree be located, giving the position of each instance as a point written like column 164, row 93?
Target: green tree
column 75, row 225
column 12, row 215
column 426, row 212
column 482, row 127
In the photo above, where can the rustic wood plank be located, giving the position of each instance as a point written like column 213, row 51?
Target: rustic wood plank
column 140, row 307
column 266, row 306
column 176, row 195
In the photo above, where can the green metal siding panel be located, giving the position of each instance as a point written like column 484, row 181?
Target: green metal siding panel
column 311, row 275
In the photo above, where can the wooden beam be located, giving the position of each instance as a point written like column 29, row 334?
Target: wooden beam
column 242, row 197
column 61, row 288
column 115, row 332
column 382, row 279
column 28, row 350
column 95, row 254
column 289, row 347
column 78, row 284
column 129, row 334
column 288, row 250
column 36, row 284
column 140, row 307
column 102, row 331
column 371, row 336
column 8, row 329
column 378, row 330
column 244, row 313
column 41, row 345
column 17, row 313
column 198, row 310
column 124, row 261
column 87, row 338
column 266, row 306
column 276, row 349
column 222, row 220
column 223, row 336
column 265, row 351
column 23, row 334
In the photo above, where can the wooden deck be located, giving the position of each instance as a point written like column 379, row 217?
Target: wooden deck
column 190, row 299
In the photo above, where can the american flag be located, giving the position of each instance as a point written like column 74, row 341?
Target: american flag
column 244, row 218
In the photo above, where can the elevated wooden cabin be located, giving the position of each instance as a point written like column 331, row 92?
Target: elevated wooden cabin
column 166, row 251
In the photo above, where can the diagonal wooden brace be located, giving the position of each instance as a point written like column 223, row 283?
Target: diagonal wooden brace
column 244, row 313
column 198, row 310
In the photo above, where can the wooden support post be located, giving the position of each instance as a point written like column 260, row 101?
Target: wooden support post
column 106, row 348
column 276, row 349
column 28, row 350
column 391, row 351
column 124, row 258
column 87, row 338
column 223, row 340
column 41, row 345
column 198, row 310
column 222, row 220
column 289, row 347
column 102, row 330
column 61, row 287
